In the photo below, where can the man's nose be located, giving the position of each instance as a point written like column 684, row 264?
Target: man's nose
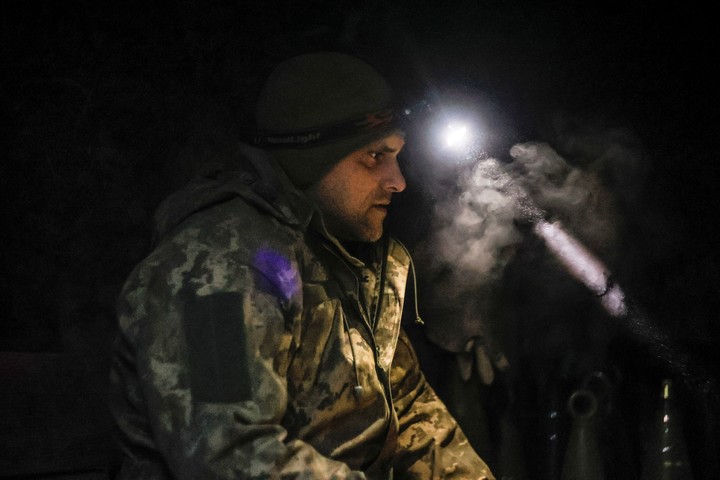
column 394, row 181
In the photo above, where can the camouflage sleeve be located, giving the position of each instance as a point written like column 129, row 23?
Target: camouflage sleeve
column 208, row 350
column 431, row 445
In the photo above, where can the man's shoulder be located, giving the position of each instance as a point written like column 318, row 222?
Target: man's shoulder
column 222, row 239
column 235, row 220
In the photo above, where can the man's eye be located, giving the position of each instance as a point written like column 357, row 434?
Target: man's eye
column 375, row 155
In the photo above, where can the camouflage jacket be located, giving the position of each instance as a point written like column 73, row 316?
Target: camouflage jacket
column 252, row 345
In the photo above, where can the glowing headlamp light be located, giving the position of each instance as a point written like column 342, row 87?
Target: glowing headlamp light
column 456, row 135
column 452, row 131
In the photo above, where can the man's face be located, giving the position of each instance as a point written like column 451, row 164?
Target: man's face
column 355, row 194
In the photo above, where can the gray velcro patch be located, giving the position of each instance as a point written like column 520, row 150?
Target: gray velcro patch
column 215, row 335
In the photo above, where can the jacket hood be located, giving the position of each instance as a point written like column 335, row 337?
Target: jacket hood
column 245, row 172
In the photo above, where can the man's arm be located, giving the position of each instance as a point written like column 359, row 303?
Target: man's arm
column 199, row 378
column 430, row 443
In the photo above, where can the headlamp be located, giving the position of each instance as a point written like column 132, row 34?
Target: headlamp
column 456, row 135
column 447, row 131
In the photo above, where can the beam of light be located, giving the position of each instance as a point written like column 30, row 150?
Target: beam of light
column 582, row 265
column 585, row 267
column 577, row 259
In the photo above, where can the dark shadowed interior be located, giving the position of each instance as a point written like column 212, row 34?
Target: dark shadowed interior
column 111, row 106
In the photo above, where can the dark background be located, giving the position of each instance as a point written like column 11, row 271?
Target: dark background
column 109, row 106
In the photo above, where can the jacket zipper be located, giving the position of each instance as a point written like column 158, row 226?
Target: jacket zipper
column 384, row 376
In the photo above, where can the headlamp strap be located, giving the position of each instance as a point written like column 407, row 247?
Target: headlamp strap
column 368, row 122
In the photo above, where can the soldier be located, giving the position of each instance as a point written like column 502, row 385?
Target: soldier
column 262, row 337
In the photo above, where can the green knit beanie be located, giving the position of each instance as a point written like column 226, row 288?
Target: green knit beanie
column 317, row 108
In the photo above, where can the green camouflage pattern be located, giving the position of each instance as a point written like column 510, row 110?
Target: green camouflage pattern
column 252, row 346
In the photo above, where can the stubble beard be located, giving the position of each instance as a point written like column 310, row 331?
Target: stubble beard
column 358, row 228
column 347, row 223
